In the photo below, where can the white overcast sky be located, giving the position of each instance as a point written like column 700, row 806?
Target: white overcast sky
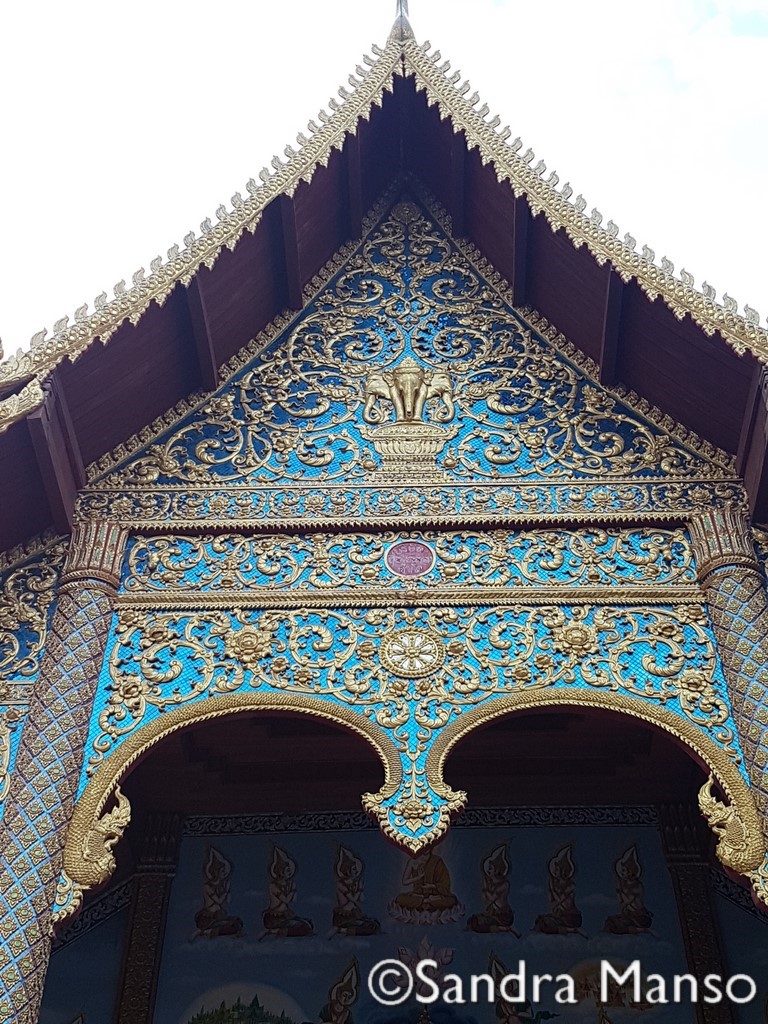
column 124, row 124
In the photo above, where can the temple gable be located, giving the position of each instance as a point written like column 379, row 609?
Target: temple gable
column 408, row 367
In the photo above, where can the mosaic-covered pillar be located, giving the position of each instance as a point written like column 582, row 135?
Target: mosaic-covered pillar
column 48, row 763
column 730, row 575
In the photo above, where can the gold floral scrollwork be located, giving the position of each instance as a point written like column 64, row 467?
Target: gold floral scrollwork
column 69, row 900
column 738, row 847
column 26, row 595
column 249, row 645
column 97, row 859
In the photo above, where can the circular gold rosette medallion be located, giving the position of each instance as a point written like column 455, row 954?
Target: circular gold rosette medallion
column 412, row 653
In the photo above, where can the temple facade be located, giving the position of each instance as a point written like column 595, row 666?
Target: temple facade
column 383, row 578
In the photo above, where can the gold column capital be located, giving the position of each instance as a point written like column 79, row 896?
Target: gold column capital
column 720, row 538
column 95, row 555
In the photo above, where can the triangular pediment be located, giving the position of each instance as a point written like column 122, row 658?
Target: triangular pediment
column 173, row 331
column 409, row 371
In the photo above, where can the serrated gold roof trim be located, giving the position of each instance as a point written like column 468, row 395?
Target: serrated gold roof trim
column 542, row 197
column 70, row 342
column 399, row 57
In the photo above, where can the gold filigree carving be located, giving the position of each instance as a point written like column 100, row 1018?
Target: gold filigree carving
column 721, row 538
column 95, row 555
column 9, row 720
column 69, row 900
column 471, row 596
column 641, row 406
column 759, row 881
column 487, row 659
column 16, row 407
column 162, row 660
column 738, row 846
column 250, row 645
column 760, row 534
column 409, row 450
column 25, row 552
column 639, row 560
column 26, row 595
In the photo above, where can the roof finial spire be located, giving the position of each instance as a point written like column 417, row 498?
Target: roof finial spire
column 401, row 30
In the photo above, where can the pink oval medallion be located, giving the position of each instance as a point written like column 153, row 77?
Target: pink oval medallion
column 409, row 558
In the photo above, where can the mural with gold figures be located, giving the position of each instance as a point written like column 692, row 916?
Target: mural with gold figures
column 315, row 910
column 280, row 918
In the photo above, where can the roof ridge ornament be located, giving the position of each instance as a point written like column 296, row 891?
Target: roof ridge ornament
column 401, row 29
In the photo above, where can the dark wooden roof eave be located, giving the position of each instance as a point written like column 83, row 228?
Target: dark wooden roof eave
column 111, row 392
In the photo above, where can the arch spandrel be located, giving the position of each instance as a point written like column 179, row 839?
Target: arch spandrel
column 411, row 680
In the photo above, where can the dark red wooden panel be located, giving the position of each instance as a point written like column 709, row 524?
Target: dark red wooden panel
column 489, row 214
column 567, row 286
column 321, row 216
column 428, row 147
column 244, row 290
column 699, row 381
column 113, row 392
column 379, row 150
column 23, row 504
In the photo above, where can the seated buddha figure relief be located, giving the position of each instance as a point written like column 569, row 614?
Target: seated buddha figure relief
column 428, row 897
column 213, row 919
column 348, row 916
column 497, row 915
